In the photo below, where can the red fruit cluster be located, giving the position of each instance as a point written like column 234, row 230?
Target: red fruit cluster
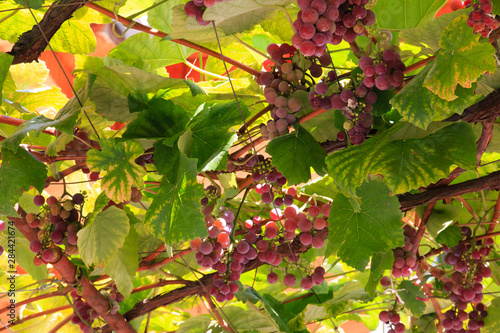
column 386, row 71
column 196, row 8
column 322, row 22
column 405, row 258
column 58, row 223
column 83, row 314
column 481, row 19
column 465, row 285
column 392, row 319
column 280, row 82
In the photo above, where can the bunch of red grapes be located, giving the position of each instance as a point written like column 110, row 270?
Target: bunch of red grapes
column 58, row 224
column 357, row 107
column 405, row 258
column 468, row 261
column 196, row 8
column 481, row 19
column 322, row 22
column 393, row 320
column 284, row 78
column 385, row 71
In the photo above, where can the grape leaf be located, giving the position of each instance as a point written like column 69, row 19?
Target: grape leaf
column 321, row 127
column 197, row 324
column 209, row 137
column 123, row 266
column 64, row 120
column 24, row 256
column 101, row 239
column 276, row 311
column 492, row 321
column 294, row 154
column 461, row 59
column 149, row 54
column 239, row 15
column 175, row 213
column 33, row 4
column 419, row 106
column 404, row 164
column 74, row 37
column 409, row 295
column 21, row 21
column 380, row 262
column 356, row 235
column 18, row 172
column 440, row 223
column 115, row 83
column 162, row 119
column 398, row 14
column 117, row 159
column 161, row 16
column 427, row 34
column 5, row 62
column 184, row 27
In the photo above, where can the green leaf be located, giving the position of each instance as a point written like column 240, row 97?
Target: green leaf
column 405, row 164
column 321, row 127
column 461, row 59
column 419, row 106
column 239, row 15
column 123, row 266
column 356, row 235
column 74, row 37
column 175, row 213
column 166, row 160
column 118, row 160
column 21, row 21
column 115, row 83
column 276, row 311
column 427, row 34
column 5, row 62
column 209, row 137
column 161, row 17
column 149, row 54
column 63, row 121
column 405, row 14
column 492, row 321
column 278, row 25
column 249, row 321
column 18, row 172
column 295, row 154
column 101, row 239
column 381, row 261
column 409, row 296
column 440, row 223
column 33, row 4
column 24, row 256
column 197, row 324
column 162, row 119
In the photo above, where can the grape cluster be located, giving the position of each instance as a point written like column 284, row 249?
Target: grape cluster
column 81, row 141
column 196, row 8
column 322, row 22
column 481, row 19
column 83, row 315
column 280, row 83
column 357, row 107
column 465, row 285
column 392, row 319
column 58, row 223
column 386, row 71
column 261, row 237
column 271, row 181
column 405, row 258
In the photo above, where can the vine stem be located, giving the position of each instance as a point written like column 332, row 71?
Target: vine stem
column 211, row 306
column 36, row 315
column 496, row 215
column 418, row 64
column 140, row 27
column 435, row 304
column 160, row 283
column 18, row 122
column 40, row 297
column 155, row 265
column 155, row 254
column 61, row 324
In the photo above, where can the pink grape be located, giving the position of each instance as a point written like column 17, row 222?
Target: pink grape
column 272, row 277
